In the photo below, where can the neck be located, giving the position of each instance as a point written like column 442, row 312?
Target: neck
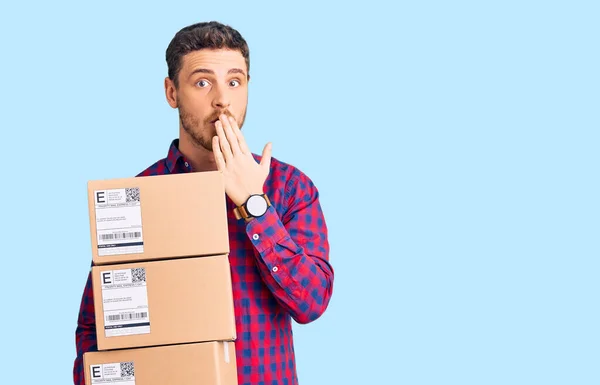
column 199, row 157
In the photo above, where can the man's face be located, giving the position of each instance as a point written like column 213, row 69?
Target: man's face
column 211, row 82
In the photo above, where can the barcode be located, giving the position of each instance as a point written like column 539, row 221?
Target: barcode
column 127, row 316
column 134, row 234
column 127, row 369
column 132, row 194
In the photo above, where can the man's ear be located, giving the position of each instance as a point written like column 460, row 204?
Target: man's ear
column 248, row 78
column 170, row 92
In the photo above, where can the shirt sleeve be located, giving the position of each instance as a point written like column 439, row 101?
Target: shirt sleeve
column 85, row 334
column 292, row 251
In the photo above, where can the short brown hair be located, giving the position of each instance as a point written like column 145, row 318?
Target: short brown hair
column 205, row 35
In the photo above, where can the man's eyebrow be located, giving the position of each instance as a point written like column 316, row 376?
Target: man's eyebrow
column 236, row 71
column 211, row 72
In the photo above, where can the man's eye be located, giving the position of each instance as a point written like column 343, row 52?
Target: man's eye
column 234, row 83
column 202, row 83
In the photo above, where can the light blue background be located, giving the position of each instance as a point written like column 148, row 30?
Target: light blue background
column 455, row 146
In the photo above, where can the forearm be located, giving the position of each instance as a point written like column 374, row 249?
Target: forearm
column 85, row 334
column 296, row 271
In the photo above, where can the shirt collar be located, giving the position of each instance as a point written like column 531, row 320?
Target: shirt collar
column 175, row 160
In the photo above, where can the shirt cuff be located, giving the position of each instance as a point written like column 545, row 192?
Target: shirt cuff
column 266, row 231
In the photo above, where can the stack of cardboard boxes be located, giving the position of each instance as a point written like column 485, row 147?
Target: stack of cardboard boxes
column 161, row 281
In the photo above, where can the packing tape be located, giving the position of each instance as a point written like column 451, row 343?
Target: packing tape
column 226, row 350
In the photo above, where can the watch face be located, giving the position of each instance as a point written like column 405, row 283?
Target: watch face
column 256, row 206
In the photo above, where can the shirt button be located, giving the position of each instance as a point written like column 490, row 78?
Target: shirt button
column 255, row 237
column 275, row 268
column 187, row 164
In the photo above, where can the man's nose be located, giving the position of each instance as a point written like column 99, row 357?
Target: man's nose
column 221, row 100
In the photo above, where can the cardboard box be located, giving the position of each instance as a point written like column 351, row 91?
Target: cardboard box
column 205, row 363
column 163, row 302
column 157, row 217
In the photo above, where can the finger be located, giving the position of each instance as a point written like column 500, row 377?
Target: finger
column 240, row 137
column 233, row 141
column 265, row 161
column 223, row 142
column 218, row 154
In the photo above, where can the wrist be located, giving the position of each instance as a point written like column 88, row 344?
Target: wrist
column 241, row 199
column 256, row 205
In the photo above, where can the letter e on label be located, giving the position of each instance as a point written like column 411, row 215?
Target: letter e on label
column 107, row 278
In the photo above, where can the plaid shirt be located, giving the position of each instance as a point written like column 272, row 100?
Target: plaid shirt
column 280, row 270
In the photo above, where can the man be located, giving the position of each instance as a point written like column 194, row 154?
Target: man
column 279, row 247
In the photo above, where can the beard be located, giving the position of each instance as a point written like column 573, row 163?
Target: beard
column 202, row 132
